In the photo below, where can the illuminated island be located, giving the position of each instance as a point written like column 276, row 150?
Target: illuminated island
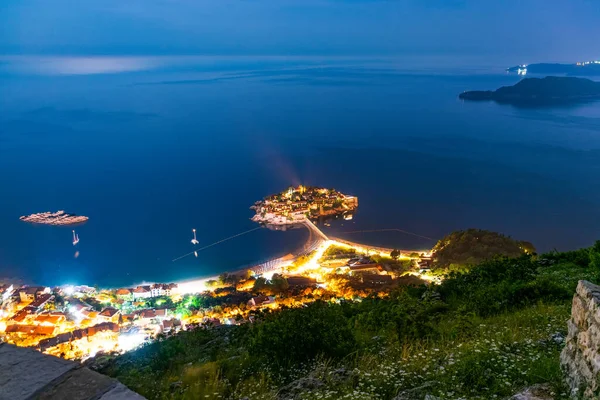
column 57, row 218
column 299, row 203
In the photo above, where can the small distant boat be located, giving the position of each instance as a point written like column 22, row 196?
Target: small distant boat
column 75, row 238
column 194, row 240
column 348, row 217
column 196, row 253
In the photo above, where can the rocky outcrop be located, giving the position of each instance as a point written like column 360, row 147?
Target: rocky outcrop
column 535, row 392
column 298, row 388
column 580, row 359
column 29, row 374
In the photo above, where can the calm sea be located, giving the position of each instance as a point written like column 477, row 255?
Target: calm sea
column 150, row 148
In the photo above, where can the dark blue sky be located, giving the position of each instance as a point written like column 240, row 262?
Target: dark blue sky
column 506, row 30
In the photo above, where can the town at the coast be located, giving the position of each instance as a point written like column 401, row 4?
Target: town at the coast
column 81, row 321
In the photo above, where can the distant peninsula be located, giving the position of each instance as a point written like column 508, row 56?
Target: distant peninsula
column 583, row 68
column 536, row 91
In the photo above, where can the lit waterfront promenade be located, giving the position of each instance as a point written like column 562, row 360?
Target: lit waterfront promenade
column 317, row 243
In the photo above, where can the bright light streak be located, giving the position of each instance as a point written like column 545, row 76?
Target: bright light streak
column 130, row 341
column 313, row 263
column 280, row 268
column 197, row 286
column 7, row 293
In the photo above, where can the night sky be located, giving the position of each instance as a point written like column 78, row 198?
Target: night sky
column 507, row 31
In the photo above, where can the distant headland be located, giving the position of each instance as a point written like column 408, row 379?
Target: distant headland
column 536, row 91
column 582, row 68
column 296, row 204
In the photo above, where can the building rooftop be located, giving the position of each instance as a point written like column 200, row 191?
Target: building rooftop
column 41, row 300
column 48, row 318
column 32, row 289
column 109, row 312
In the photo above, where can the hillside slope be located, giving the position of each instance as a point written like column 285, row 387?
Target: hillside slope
column 483, row 334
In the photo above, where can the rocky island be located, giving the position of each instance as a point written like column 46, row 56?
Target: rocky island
column 536, row 91
column 57, row 218
column 298, row 203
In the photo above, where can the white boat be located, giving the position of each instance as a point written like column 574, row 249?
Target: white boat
column 194, row 240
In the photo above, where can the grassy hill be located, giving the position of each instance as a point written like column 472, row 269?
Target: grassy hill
column 481, row 334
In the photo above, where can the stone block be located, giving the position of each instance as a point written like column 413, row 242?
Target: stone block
column 24, row 372
column 579, row 312
column 120, row 392
column 79, row 384
column 29, row 374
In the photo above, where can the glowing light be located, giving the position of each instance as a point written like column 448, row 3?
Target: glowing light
column 130, row 341
column 197, row 286
column 7, row 293
column 69, row 290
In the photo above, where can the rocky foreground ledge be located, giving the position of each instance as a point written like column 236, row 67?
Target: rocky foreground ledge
column 29, row 374
column 580, row 359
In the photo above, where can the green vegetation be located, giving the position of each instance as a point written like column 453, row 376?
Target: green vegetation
column 339, row 252
column 463, row 249
column 481, row 334
column 277, row 284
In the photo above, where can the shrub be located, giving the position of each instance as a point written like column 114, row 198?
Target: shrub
column 297, row 335
column 470, row 247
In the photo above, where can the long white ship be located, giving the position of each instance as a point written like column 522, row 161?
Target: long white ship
column 57, row 218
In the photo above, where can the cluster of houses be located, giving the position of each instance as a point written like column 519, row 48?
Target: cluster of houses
column 146, row 291
column 37, row 297
column 67, row 337
column 261, row 301
column 369, row 271
column 34, row 321
column 424, row 263
column 296, row 203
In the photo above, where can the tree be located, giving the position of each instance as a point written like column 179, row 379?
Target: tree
column 229, row 279
column 303, row 333
column 395, row 254
column 463, row 249
column 211, row 283
column 259, row 284
column 181, row 311
column 279, row 283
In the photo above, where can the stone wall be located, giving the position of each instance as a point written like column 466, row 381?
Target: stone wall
column 580, row 359
column 29, row 374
